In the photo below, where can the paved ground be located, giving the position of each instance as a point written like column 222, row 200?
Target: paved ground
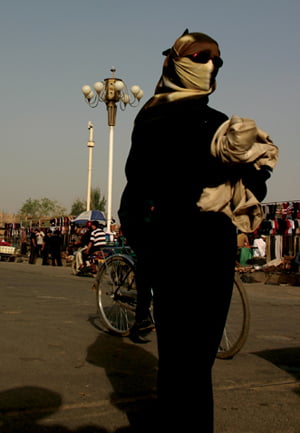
column 61, row 373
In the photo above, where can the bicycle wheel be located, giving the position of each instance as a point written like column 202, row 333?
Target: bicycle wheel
column 237, row 324
column 116, row 293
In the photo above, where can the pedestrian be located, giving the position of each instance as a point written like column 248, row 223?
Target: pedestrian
column 23, row 241
column 46, row 248
column 97, row 239
column 259, row 246
column 82, row 245
column 39, row 242
column 33, row 246
column 55, row 248
column 168, row 167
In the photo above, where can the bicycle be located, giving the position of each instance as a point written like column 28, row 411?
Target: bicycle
column 96, row 259
column 237, row 323
column 116, row 302
column 90, row 268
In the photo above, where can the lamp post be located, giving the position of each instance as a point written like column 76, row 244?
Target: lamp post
column 90, row 144
column 112, row 91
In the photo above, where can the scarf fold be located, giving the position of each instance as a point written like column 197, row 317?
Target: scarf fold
column 239, row 141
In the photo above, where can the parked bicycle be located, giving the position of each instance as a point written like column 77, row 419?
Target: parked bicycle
column 117, row 297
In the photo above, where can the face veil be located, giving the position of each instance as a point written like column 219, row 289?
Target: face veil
column 189, row 69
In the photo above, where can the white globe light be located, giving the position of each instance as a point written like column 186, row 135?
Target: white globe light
column 126, row 98
column 98, row 86
column 90, row 95
column 86, row 90
column 119, row 85
column 135, row 90
column 139, row 95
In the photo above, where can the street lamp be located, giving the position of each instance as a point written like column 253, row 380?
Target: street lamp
column 110, row 92
column 90, row 144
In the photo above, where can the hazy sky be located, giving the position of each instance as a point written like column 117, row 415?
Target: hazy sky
column 49, row 49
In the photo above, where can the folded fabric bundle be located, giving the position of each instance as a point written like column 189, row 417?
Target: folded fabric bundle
column 239, row 141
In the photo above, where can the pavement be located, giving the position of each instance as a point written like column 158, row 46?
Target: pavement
column 61, row 372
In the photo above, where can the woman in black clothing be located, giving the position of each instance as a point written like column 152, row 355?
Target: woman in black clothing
column 192, row 270
column 33, row 246
column 46, row 247
column 55, row 248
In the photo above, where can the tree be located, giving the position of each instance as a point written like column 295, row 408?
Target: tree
column 77, row 207
column 97, row 202
column 50, row 207
column 41, row 208
column 30, row 208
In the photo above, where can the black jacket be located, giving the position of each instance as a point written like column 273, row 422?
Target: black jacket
column 170, row 163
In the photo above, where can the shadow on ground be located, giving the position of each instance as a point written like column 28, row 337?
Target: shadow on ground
column 288, row 359
column 132, row 372
column 23, row 408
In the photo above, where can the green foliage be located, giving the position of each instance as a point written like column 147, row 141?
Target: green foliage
column 77, row 207
column 97, row 202
column 43, row 207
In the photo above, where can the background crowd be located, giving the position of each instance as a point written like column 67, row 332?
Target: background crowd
column 47, row 245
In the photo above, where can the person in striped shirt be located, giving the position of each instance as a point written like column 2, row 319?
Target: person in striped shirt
column 97, row 239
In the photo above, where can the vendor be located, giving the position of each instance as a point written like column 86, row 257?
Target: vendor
column 259, row 246
column 244, row 250
column 242, row 240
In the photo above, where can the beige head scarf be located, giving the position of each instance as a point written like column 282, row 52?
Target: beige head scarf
column 182, row 77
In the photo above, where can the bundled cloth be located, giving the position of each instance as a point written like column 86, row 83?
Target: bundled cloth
column 239, row 141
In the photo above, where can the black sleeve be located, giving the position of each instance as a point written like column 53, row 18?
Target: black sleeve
column 255, row 180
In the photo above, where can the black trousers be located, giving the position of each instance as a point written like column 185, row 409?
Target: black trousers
column 56, row 258
column 192, row 282
column 33, row 255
